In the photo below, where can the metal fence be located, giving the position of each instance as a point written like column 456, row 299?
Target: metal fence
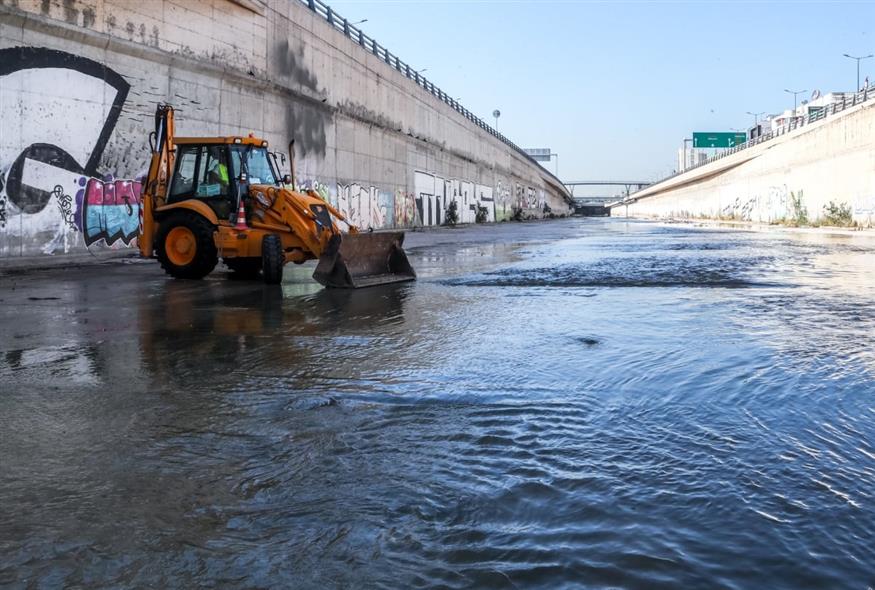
column 370, row 44
column 797, row 122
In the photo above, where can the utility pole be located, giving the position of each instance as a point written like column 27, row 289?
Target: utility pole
column 859, row 59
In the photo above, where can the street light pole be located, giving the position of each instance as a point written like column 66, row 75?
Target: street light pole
column 859, row 59
column 795, row 93
column 755, row 116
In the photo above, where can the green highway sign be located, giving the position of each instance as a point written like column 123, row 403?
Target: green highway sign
column 718, row 139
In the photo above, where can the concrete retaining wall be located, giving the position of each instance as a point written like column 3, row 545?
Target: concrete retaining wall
column 79, row 81
column 794, row 177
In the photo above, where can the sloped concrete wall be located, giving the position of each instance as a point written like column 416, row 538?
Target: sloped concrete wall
column 795, row 176
column 79, row 81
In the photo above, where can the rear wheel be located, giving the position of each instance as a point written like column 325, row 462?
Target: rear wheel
column 272, row 259
column 244, row 268
column 186, row 248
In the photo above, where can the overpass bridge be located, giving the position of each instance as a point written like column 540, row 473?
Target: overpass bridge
column 600, row 205
column 628, row 184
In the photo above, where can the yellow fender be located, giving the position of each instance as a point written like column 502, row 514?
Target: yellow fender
column 192, row 205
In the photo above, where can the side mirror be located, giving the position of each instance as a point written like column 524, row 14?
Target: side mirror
column 287, row 179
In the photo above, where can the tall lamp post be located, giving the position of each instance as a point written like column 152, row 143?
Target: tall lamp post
column 496, row 113
column 795, row 93
column 557, row 163
column 859, row 59
column 756, row 117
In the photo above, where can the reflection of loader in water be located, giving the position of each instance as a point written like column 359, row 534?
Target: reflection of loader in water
column 206, row 198
column 185, row 330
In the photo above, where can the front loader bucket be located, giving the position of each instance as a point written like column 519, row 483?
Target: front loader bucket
column 364, row 260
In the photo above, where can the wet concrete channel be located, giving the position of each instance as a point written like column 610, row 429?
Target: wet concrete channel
column 583, row 402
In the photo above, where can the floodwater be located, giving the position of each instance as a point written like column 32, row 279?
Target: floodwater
column 578, row 403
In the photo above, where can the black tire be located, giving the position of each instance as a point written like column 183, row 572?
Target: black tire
column 244, row 268
column 205, row 255
column 272, row 259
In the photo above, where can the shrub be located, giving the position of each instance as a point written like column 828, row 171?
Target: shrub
column 838, row 214
column 799, row 211
column 452, row 217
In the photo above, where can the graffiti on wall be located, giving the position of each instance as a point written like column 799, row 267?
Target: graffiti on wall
column 777, row 203
column 433, row 195
column 528, row 198
column 864, row 206
column 2, row 203
column 320, row 188
column 52, row 142
column 406, row 213
column 503, row 204
column 110, row 210
column 365, row 207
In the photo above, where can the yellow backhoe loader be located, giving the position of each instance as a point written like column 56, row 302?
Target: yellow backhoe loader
column 211, row 197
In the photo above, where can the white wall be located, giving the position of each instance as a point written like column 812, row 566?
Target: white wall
column 829, row 161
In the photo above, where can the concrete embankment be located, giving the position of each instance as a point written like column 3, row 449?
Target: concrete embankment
column 79, row 82
column 823, row 170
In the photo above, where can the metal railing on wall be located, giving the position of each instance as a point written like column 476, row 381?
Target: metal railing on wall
column 813, row 116
column 370, row 44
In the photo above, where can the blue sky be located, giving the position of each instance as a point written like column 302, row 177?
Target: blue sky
column 613, row 87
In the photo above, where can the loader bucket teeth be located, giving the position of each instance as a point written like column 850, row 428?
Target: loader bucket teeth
column 364, row 260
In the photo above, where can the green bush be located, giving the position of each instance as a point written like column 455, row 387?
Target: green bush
column 452, row 217
column 799, row 211
column 838, row 214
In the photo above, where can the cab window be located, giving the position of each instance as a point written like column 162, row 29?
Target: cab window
column 201, row 172
column 213, row 174
column 183, row 179
column 257, row 163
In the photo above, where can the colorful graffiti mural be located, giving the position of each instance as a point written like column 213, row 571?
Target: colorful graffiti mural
column 53, row 140
column 109, row 210
column 406, row 213
column 368, row 207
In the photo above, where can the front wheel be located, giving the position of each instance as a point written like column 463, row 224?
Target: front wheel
column 186, row 248
column 272, row 259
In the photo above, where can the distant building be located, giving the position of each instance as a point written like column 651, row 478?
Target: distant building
column 808, row 108
column 689, row 157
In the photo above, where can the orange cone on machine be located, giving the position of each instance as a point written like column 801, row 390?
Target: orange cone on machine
column 241, row 217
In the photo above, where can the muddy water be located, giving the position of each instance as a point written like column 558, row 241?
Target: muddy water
column 569, row 404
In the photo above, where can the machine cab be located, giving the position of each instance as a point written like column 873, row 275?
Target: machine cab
column 216, row 170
